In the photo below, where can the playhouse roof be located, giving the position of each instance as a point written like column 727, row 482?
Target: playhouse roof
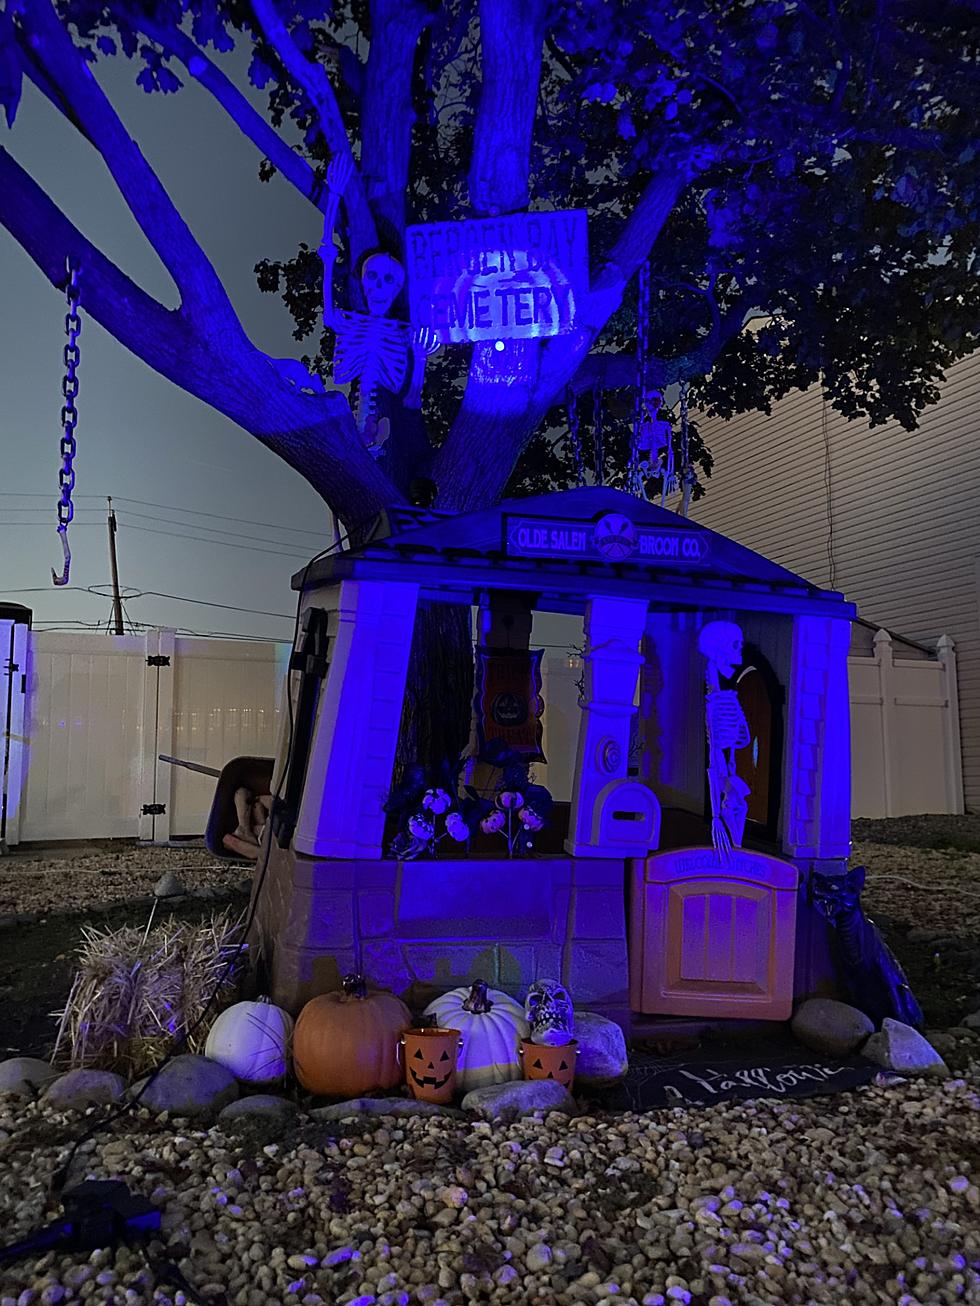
column 569, row 544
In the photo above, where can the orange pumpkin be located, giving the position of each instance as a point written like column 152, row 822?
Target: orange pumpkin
column 346, row 1043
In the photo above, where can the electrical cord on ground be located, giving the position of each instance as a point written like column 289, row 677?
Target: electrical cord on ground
column 933, row 889
column 60, row 1176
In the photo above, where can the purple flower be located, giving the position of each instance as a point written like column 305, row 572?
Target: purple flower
column 493, row 823
column 457, row 828
column 420, row 828
column 437, row 801
column 509, row 798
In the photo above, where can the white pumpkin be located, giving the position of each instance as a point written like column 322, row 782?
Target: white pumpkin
column 492, row 1024
column 253, row 1040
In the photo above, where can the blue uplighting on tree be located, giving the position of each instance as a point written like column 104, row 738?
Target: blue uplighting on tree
column 809, row 162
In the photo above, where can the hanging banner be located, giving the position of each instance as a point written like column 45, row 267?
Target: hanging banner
column 522, row 276
column 508, row 702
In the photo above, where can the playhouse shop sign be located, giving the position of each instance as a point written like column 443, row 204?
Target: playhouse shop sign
column 613, row 538
column 522, row 276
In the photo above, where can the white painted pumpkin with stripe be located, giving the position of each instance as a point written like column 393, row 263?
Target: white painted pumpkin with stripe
column 492, row 1024
column 253, row 1040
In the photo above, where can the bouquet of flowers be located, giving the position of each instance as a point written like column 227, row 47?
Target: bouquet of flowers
column 518, row 808
column 432, row 808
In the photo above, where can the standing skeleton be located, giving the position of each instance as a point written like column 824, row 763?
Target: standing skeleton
column 721, row 644
column 370, row 348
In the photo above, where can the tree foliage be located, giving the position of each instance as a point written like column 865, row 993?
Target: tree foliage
column 809, row 163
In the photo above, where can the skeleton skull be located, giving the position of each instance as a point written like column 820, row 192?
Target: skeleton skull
column 548, row 1007
column 721, row 644
column 382, row 277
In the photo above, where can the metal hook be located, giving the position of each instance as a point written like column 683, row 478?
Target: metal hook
column 63, row 578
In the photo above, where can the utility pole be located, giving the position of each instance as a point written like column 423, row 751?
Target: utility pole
column 117, row 616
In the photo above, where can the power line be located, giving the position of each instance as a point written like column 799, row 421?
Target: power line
column 169, row 507
column 156, row 594
column 150, row 530
column 176, row 535
column 230, row 607
column 125, row 515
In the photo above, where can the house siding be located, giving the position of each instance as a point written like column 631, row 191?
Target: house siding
column 904, row 508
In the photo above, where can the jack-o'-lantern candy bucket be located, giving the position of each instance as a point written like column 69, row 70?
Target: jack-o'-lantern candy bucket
column 540, row 1061
column 429, row 1057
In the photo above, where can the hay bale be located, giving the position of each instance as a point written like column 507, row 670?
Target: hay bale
column 133, row 997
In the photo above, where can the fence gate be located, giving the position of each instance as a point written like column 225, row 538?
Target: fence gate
column 99, row 709
column 13, row 700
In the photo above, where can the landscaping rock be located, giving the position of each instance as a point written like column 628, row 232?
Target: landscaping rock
column 382, row 1106
column 825, row 1025
column 900, row 1047
column 519, row 1097
column 602, row 1059
column 25, row 1076
column 258, row 1104
column 169, row 885
column 972, row 1021
column 191, row 1085
column 80, row 1089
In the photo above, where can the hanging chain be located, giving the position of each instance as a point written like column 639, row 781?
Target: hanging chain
column 574, row 436
column 634, row 473
column 69, row 416
column 597, row 431
column 688, row 475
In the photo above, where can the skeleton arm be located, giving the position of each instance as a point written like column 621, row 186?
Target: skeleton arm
column 424, row 342
column 338, row 175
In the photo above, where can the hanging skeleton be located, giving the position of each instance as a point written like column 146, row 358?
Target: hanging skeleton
column 651, row 432
column 574, row 436
column 370, row 349
column 688, row 474
column 598, row 432
column 721, row 644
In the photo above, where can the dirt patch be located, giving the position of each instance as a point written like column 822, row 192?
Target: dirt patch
column 926, row 901
column 37, row 963
column 940, row 831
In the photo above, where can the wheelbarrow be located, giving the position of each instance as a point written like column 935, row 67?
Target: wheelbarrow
column 251, row 773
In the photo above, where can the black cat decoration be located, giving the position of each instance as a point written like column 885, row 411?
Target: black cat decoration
column 875, row 980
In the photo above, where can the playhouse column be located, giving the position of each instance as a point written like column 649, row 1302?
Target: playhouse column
column 353, row 748
column 818, row 756
column 613, row 629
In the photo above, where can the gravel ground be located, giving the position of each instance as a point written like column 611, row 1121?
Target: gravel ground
column 871, row 1196
column 867, row 1197
column 36, row 884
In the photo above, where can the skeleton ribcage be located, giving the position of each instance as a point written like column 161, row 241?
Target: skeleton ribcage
column 727, row 726
column 372, row 348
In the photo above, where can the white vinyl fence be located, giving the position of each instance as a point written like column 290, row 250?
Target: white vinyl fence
column 92, row 713
column 905, row 730
column 85, row 717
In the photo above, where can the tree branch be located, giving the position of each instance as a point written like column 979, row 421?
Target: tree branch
column 158, row 335
column 488, row 436
column 511, row 42
column 386, row 109
column 315, row 84
column 315, row 434
column 246, row 118
column 151, row 206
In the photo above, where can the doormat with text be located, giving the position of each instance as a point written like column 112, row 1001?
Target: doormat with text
column 717, row 1075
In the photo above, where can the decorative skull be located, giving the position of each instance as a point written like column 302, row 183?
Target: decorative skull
column 382, row 277
column 548, row 1007
column 721, row 644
